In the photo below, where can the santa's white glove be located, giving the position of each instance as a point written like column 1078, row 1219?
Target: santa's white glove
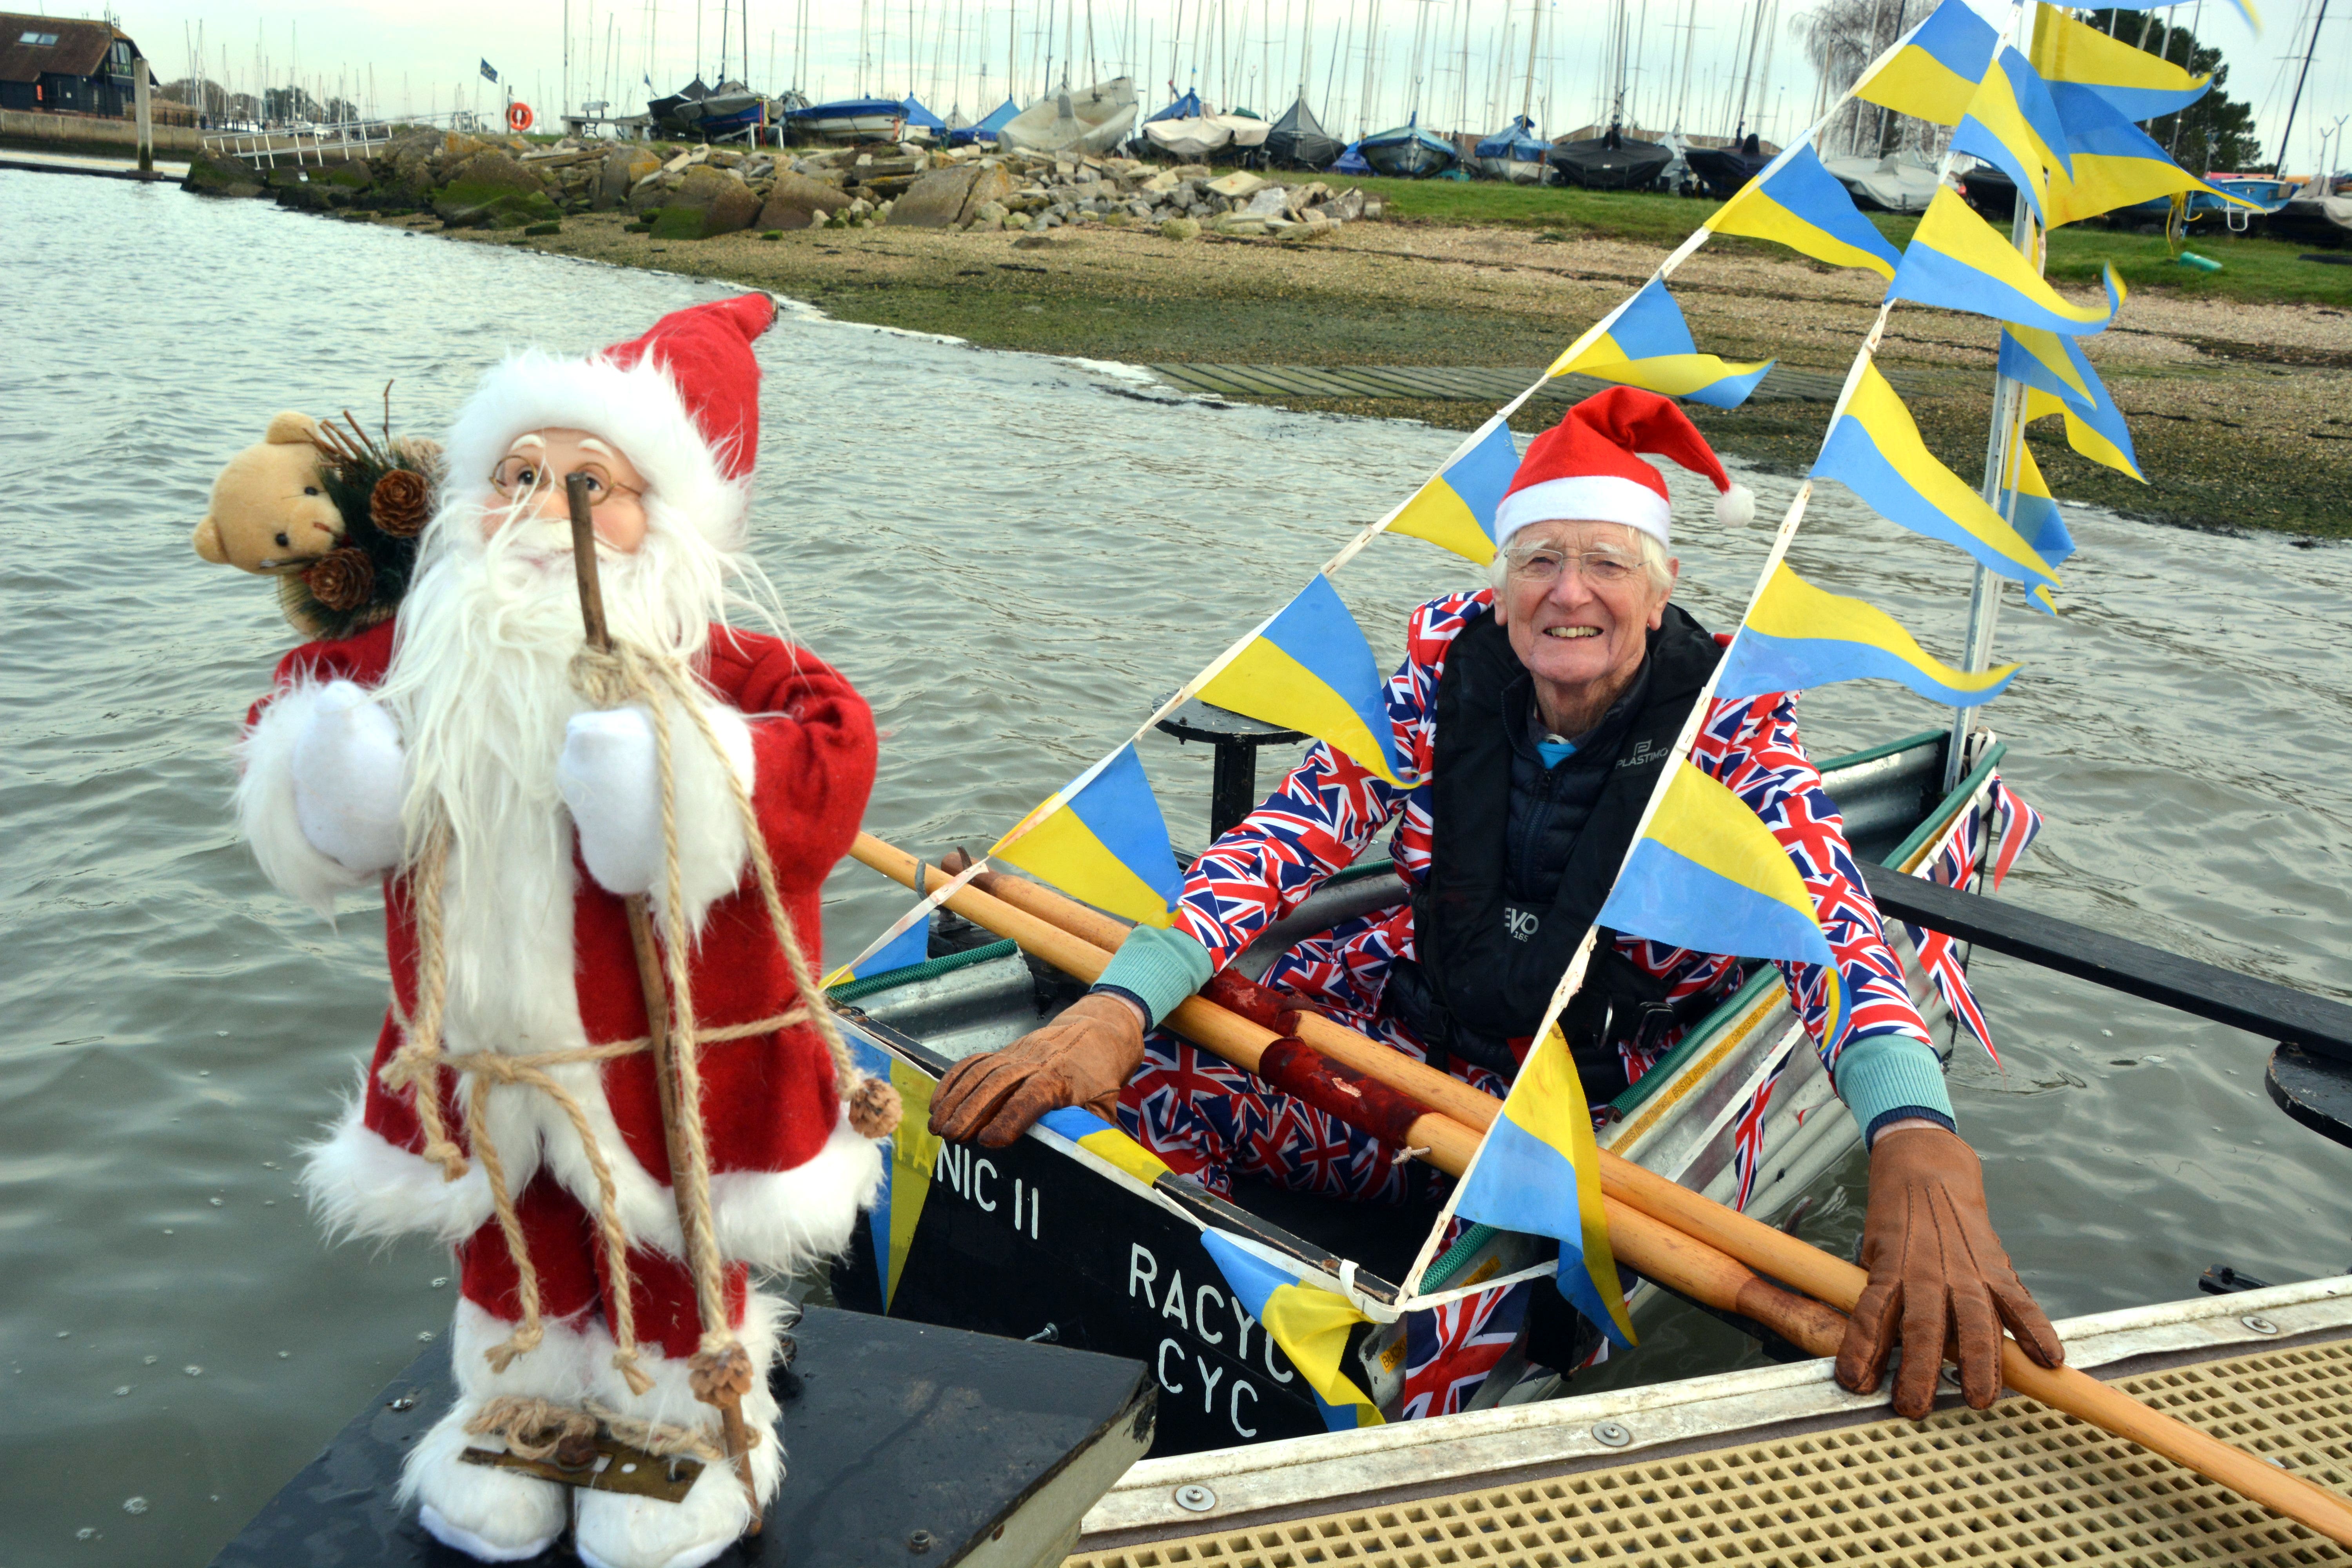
column 350, row 774
column 610, row 777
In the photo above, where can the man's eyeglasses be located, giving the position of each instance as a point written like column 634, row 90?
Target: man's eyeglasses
column 519, row 477
column 1545, row 563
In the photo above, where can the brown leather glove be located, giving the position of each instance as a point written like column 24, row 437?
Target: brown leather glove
column 1935, row 1268
column 1082, row 1058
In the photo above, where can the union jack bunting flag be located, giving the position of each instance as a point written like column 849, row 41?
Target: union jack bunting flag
column 2006, row 826
column 1451, row 1350
column 1748, row 1132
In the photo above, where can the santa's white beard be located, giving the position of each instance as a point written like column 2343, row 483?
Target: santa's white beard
column 480, row 685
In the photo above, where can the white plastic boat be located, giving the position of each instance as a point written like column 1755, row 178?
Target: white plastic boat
column 1090, row 119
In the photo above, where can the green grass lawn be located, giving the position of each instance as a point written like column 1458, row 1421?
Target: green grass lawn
column 2253, row 269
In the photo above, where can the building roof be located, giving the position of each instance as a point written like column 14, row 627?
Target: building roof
column 81, row 48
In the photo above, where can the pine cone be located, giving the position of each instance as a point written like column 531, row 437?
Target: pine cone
column 874, row 1108
column 401, row 503
column 342, row 579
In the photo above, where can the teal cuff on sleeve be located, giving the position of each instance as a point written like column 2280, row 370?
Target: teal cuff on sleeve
column 1158, row 968
column 1879, row 1073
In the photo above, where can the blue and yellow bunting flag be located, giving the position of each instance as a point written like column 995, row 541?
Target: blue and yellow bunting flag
column 1539, row 1172
column 912, row 945
column 1309, row 668
column 1310, row 1324
column 2012, row 125
column 2098, row 433
column 2026, row 501
column 914, row 1155
column 1875, row 451
column 1798, row 636
column 1795, row 201
column 1105, row 842
column 2138, row 84
column 1955, row 260
column 1649, row 345
column 2059, row 379
column 2115, row 162
column 1104, row 1142
column 1456, row 507
column 1934, row 72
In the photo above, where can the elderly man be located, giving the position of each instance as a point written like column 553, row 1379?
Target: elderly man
column 1536, row 715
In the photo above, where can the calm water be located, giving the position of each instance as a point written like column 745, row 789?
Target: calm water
column 1014, row 558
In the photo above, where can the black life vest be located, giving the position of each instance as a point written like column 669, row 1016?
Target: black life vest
column 1488, row 966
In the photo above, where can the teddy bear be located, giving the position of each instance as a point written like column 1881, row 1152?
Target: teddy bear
column 332, row 514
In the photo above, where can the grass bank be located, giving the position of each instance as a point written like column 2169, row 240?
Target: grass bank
column 2243, row 413
column 2253, row 269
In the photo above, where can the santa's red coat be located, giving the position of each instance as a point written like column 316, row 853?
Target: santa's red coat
column 789, row 1174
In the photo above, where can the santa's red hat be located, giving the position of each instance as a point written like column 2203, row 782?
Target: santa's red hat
column 682, row 400
column 1584, row 467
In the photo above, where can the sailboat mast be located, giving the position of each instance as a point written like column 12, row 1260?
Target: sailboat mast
column 1535, row 31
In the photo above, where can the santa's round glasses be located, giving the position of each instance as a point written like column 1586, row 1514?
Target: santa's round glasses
column 520, row 477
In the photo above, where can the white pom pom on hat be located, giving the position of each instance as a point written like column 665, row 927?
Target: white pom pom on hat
column 1734, row 506
column 1587, row 468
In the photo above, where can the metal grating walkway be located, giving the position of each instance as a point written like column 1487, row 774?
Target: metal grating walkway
column 1787, row 383
column 2018, row 1484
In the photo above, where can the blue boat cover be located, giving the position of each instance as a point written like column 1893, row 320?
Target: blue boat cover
column 996, row 119
column 1516, row 140
column 916, row 115
column 1185, row 107
column 1351, row 162
column 844, row 108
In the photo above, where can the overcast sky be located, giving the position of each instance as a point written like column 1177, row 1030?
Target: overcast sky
column 422, row 54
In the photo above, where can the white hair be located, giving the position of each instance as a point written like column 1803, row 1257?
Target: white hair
column 480, row 684
column 1653, row 557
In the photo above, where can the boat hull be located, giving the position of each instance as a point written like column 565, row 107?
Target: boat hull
column 1051, row 1236
column 1413, row 156
column 1090, row 121
column 1722, row 170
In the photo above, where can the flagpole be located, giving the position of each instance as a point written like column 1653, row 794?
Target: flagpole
column 2001, row 436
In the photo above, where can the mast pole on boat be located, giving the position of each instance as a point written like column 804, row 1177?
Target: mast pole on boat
column 1535, row 30
column 2005, row 433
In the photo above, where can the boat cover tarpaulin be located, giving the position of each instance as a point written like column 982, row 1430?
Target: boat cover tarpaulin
column 995, row 120
column 1299, row 140
column 920, row 118
column 1518, row 141
column 1351, row 161
column 1185, row 107
column 851, row 108
column 1612, row 161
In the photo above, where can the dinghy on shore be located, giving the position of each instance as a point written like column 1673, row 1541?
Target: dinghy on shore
column 1611, row 161
column 1193, row 140
column 1090, row 119
column 1297, row 140
column 851, row 119
column 1515, row 153
column 1407, row 151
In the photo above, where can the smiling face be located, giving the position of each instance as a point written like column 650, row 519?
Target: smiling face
column 1581, row 626
column 529, row 486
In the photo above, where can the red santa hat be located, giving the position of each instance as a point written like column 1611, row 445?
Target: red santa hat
column 1585, row 468
column 682, row 401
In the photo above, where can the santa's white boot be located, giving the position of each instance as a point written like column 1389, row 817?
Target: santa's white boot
column 494, row 1515
column 614, row 1529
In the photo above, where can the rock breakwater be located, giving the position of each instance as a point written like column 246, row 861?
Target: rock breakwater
column 702, row 192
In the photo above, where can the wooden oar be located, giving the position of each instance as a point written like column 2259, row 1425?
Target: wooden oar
column 1679, row 1237
column 657, row 995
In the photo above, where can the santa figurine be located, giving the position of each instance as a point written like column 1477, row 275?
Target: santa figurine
column 511, row 1108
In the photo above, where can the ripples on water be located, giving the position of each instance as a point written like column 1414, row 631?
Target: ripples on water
column 1013, row 564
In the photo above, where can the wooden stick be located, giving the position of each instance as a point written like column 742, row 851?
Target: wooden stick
column 1659, row 1227
column 657, row 995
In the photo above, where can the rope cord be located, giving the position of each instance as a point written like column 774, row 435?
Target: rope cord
column 720, row 1369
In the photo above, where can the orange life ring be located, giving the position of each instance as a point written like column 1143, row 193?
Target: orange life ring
column 518, row 116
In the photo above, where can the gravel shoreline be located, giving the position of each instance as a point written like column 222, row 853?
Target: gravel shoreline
column 2242, row 414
